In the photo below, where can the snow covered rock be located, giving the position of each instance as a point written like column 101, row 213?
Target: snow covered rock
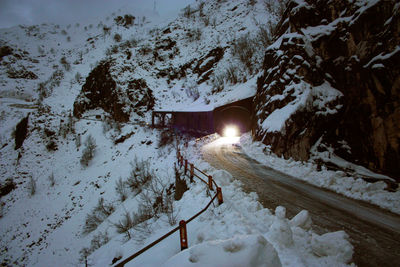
column 302, row 220
column 334, row 75
column 334, row 244
column 251, row 250
column 280, row 231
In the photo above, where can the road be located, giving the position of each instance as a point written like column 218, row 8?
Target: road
column 374, row 233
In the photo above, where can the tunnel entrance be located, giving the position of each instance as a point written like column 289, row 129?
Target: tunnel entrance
column 238, row 114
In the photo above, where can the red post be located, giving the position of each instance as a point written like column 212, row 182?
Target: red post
column 178, row 154
column 183, row 235
column 219, row 196
column 191, row 172
column 210, row 182
column 186, row 163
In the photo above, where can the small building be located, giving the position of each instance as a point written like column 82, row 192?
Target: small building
column 238, row 113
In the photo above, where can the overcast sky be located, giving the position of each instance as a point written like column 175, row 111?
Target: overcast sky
column 29, row 12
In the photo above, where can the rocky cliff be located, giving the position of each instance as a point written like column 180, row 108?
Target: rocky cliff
column 331, row 82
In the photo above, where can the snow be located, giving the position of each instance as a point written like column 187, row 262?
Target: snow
column 45, row 229
column 247, row 250
column 382, row 56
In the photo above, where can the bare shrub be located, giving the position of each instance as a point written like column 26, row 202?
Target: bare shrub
column 140, row 175
column 117, row 37
column 84, row 253
column 145, row 50
column 232, row 75
column 192, row 91
column 106, row 30
column 32, row 186
column 99, row 240
column 78, row 141
column 97, row 216
column 52, row 180
column 206, row 20
column 65, row 63
column 194, row 34
column 112, row 50
column 124, row 225
column 218, row 83
column 172, row 215
column 275, row 7
column 120, row 188
column 166, row 138
column 89, row 150
column 244, row 49
column 187, row 12
column 78, row 77
column 201, row 8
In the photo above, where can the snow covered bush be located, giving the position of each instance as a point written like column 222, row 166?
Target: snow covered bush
column 97, row 216
column 88, row 151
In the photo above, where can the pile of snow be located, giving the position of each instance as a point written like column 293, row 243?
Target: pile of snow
column 337, row 181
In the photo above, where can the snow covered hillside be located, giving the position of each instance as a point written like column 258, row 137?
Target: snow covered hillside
column 84, row 178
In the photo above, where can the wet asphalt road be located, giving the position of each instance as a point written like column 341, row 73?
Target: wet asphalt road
column 374, row 233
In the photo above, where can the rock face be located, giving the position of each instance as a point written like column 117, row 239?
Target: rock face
column 333, row 78
column 101, row 91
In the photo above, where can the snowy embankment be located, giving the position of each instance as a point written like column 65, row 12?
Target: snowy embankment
column 240, row 232
column 337, row 181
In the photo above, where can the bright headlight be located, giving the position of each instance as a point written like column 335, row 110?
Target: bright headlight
column 231, row 131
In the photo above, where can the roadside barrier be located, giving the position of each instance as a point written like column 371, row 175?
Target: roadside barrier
column 193, row 172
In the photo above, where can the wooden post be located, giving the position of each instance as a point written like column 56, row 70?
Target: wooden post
column 178, row 154
column 181, row 161
column 183, row 235
column 210, row 182
column 219, row 196
column 191, row 172
column 186, row 163
column 163, row 119
column 152, row 118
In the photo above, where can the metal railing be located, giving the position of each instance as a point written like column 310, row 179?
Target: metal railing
column 182, row 224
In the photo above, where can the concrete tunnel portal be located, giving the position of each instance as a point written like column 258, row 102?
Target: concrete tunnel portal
column 198, row 123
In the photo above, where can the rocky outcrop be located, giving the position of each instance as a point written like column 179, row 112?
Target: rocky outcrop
column 332, row 77
column 102, row 91
column 21, row 130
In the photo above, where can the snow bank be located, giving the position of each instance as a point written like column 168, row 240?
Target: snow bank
column 250, row 250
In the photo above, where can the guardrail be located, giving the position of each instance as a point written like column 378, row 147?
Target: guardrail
column 182, row 224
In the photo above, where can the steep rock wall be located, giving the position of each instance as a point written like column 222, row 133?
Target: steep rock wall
column 332, row 77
